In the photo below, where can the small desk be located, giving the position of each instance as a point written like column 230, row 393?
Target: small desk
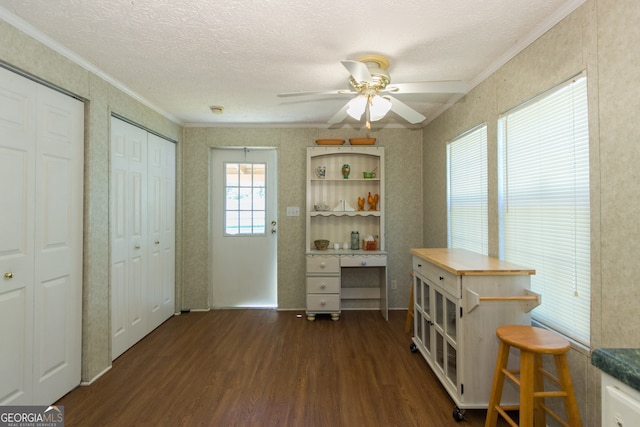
column 327, row 284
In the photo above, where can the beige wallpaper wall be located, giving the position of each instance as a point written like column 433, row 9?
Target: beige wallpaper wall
column 601, row 37
column 403, row 152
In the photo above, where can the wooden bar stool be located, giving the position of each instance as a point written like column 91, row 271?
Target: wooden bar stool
column 533, row 343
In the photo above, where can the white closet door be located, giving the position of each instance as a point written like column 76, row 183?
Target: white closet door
column 58, row 245
column 161, row 193
column 128, row 235
column 41, row 182
column 17, row 186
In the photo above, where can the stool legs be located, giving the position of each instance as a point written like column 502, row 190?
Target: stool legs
column 531, row 382
column 539, row 414
column 570, row 403
column 527, row 386
column 497, row 385
column 409, row 321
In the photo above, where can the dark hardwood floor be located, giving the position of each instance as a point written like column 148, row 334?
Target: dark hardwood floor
column 269, row 368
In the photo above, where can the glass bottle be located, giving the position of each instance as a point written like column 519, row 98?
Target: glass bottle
column 355, row 240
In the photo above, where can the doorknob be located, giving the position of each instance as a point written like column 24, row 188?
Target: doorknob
column 136, row 247
column 8, row 275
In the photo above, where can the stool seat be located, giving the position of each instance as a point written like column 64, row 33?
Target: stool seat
column 533, row 343
column 536, row 340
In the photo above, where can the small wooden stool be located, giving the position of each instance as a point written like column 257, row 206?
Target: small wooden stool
column 409, row 322
column 533, row 343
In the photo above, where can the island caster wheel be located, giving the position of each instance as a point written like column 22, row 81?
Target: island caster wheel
column 413, row 347
column 458, row 414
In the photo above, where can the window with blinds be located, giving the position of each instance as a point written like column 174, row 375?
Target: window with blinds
column 467, row 191
column 544, row 199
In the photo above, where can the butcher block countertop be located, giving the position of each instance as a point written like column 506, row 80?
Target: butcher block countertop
column 462, row 262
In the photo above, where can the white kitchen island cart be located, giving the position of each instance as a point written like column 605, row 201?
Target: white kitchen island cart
column 460, row 299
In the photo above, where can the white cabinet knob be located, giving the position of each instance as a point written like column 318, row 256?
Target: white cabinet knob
column 323, row 286
column 323, row 265
column 323, row 303
column 364, row 262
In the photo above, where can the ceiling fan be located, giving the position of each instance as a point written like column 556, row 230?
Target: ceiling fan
column 371, row 84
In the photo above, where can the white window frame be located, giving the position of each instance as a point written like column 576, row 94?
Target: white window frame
column 467, row 191
column 545, row 205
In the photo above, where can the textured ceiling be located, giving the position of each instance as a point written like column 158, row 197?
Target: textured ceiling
column 181, row 56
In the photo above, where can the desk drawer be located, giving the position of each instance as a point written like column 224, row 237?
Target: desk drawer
column 363, row 261
column 323, row 303
column 323, row 264
column 323, row 285
column 449, row 282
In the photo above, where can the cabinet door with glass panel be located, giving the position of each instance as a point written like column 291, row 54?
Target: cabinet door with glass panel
column 445, row 336
column 422, row 315
column 437, row 330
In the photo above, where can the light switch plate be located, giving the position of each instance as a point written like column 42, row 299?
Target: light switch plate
column 293, row 211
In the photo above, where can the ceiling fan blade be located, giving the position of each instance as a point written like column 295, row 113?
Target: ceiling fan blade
column 340, row 115
column 358, row 70
column 404, row 111
column 317, row 92
column 428, row 87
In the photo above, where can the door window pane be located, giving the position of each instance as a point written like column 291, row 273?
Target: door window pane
column 245, row 201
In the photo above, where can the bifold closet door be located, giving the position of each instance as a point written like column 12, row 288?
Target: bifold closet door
column 161, row 226
column 58, row 245
column 17, row 190
column 41, row 187
column 142, row 215
column 128, row 226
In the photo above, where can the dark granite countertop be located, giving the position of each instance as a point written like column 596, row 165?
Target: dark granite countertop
column 621, row 363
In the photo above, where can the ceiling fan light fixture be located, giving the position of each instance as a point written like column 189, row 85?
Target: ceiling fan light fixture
column 371, row 83
column 378, row 108
column 357, row 106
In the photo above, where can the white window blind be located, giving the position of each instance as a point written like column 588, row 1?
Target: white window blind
column 467, row 191
column 545, row 217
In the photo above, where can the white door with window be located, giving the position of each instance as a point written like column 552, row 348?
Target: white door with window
column 243, row 214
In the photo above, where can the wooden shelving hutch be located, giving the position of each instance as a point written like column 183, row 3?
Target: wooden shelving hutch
column 327, row 287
